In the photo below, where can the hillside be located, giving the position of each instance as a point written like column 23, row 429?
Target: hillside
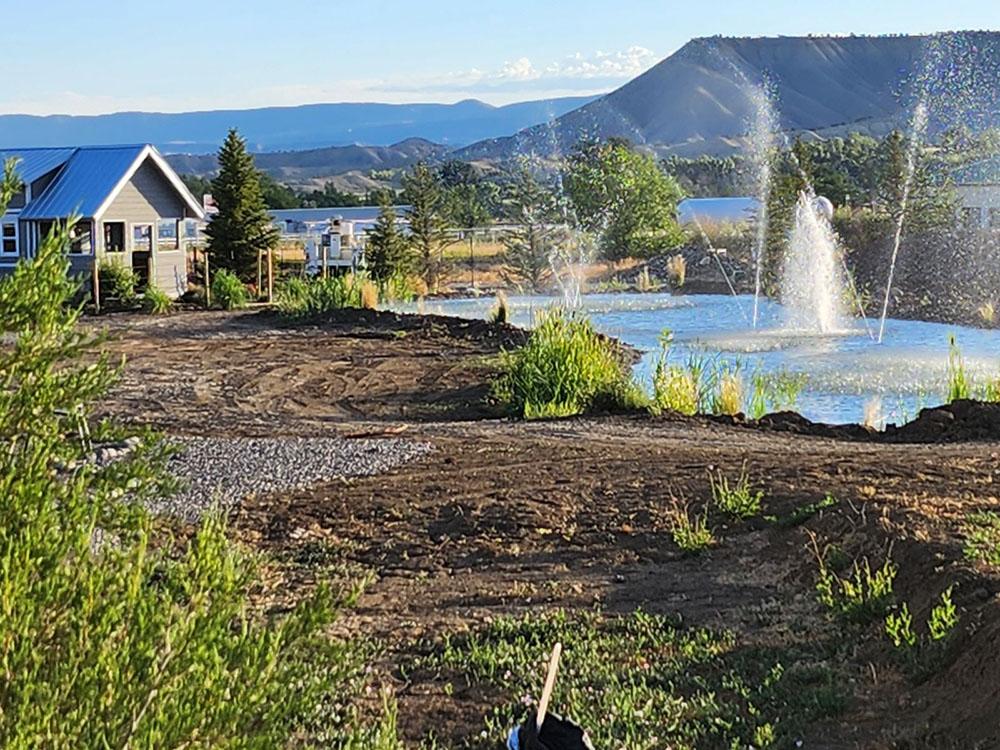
column 300, row 167
column 696, row 101
column 285, row 128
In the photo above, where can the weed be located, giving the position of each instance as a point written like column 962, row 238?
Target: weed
column 645, row 282
column 728, row 397
column 228, row 291
column 691, row 532
column 774, row 391
column 368, row 292
column 899, row 628
column 944, row 617
column 988, row 314
column 677, row 268
column 736, row 499
column 565, row 368
column 982, row 537
column 860, row 597
column 500, row 313
column 155, row 301
column 959, row 386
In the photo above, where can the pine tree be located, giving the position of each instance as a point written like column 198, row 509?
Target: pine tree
column 531, row 244
column 428, row 226
column 243, row 227
column 387, row 251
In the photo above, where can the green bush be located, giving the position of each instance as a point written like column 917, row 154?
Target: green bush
column 228, row 292
column 118, row 283
column 155, row 301
column 115, row 633
column 303, row 298
column 565, row 368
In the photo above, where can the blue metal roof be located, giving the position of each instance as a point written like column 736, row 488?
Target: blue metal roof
column 33, row 163
column 86, row 181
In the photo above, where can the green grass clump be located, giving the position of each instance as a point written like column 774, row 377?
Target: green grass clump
column 803, row 513
column 737, row 498
column 982, row 537
column 304, row 298
column 862, row 596
column 155, row 301
column 773, row 392
column 565, row 368
column 959, row 385
column 641, row 681
column 228, row 292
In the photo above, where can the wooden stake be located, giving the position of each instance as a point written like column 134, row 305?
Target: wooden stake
column 208, row 283
column 270, row 276
column 326, row 254
column 550, row 685
column 260, row 271
column 97, row 284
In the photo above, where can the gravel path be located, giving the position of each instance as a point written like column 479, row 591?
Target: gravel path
column 223, row 471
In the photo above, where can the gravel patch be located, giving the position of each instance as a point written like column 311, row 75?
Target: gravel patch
column 221, row 472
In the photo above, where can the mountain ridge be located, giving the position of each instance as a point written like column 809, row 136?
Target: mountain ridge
column 300, row 127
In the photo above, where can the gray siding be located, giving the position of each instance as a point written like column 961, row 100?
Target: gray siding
column 147, row 198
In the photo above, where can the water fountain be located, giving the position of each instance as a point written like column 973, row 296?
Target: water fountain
column 812, row 284
column 762, row 144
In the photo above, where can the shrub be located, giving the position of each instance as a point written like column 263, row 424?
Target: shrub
column 116, row 634
column 119, row 282
column 565, row 368
column 155, row 301
column 303, row 298
column 228, row 292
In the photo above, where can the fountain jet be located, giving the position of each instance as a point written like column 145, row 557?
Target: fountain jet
column 812, row 283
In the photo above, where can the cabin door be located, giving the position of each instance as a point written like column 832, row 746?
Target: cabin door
column 142, row 252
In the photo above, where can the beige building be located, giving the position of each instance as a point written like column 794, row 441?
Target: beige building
column 978, row 188
column 131, row 207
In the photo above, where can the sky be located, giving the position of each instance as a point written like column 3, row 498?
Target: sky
column 182, row 55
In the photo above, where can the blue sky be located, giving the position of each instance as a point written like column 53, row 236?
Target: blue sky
column 212, row 54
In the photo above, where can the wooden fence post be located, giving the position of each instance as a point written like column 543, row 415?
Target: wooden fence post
column 97, row 284
column 270, row 276
column 208, row 283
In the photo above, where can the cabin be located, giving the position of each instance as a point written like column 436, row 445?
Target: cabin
column 978, row 189
column 131, row 206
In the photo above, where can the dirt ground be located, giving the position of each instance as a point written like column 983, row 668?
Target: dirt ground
column 507, row 517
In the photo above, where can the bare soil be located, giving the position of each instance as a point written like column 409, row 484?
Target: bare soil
column 507, row 517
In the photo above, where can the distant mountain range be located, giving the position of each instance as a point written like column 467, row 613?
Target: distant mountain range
column 696, row 101
column 288, row 128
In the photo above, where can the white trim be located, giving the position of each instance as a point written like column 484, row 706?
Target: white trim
column 168, row 172
column 6, row 219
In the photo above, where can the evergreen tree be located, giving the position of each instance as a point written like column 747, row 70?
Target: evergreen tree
column 387, row 251
column 531, row 244
column 428, row 226
column 243, row 226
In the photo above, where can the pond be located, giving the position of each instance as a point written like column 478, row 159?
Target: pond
column 846, row 373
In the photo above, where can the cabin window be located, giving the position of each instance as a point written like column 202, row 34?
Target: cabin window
column 191, row 229
column 9, row 246
column 114, row 237
column 80, row 242
column 167, row 235
column 142, row 238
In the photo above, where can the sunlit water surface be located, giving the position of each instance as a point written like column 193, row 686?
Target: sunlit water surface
column 844, row 371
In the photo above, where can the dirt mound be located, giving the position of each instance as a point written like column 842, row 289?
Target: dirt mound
column 955, row 422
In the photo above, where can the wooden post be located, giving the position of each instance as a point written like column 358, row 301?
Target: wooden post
column 97, row 283
column 326, row 260
column 270, row 276
column 260, row 271
column 208, row 283
column 472, row 256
